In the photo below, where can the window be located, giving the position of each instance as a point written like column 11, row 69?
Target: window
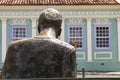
column 18, row 32
column 76, row 33
column 102, row 37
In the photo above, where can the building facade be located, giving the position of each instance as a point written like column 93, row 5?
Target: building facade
column 94, row 23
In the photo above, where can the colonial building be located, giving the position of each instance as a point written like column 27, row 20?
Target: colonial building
column 94, row 23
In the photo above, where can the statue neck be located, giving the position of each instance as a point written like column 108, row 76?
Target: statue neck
column 49, row 32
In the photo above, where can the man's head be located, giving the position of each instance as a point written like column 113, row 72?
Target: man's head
column 50, row 18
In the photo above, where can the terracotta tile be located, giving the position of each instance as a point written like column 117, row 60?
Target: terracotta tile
column 57, row 2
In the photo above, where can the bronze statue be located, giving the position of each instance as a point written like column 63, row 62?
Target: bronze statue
column 43, row 56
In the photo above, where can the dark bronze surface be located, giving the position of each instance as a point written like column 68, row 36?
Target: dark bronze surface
column 39, row 58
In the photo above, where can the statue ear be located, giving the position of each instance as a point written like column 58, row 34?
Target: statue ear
column 39, row 29
column 59, row 32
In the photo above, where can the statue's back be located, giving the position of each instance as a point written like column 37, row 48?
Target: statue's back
column 38, row 58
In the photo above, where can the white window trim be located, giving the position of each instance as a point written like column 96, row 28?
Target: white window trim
column 16, row 26
column 110, row 45
column 76, row 25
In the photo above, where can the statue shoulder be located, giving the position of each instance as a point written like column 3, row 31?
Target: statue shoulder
column 17, row 42
column 64, row 44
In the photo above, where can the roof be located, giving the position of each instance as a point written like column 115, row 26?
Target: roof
column 58, row 2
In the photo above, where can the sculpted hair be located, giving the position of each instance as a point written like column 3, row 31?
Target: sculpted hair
column 49, row 18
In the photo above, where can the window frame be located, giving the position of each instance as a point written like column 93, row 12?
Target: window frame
column 82, row 37
column 18, row 26
column 110, row 38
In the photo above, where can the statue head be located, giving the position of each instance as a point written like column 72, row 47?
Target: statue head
column 50, row 18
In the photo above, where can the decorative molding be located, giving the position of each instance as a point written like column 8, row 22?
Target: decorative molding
column 91, row 13
column 75, row 21
column 20, row 13
column 18, row 22
column 83, row 56
column 61, row 7
column 102, row 21
column 64, row 13
column 103, row 57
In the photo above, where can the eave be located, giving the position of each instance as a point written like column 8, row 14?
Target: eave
column 61, row 7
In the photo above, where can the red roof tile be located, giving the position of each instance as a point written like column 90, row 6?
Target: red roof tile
column 58, row 2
